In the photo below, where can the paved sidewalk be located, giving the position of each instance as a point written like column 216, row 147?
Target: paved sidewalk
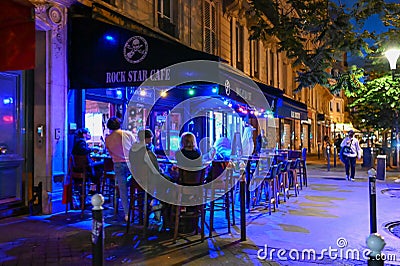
column 329, row 212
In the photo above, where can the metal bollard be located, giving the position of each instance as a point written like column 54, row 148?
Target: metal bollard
column 328, row 157
column 372, row 200
column 98, row 230
column 375, row 243
column 334, row 156
column 319, row 153
column 242, row 166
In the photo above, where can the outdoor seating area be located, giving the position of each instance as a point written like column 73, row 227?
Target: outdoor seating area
column 271, row 180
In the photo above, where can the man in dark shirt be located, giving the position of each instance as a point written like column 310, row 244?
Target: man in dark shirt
column 94, row 168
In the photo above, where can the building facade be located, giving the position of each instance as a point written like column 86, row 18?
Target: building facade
column 52, row 103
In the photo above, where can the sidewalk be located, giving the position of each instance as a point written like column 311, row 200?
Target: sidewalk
column 330, row 213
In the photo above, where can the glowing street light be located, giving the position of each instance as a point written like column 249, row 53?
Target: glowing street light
column 392, row 55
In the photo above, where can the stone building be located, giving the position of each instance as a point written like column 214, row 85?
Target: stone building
column 50, row 104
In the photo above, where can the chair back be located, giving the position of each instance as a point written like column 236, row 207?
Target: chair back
column 191, row 178
column 217, row 168
column 279, row 168
column 274, row 171
column 108, row 165
column 77, row 165
column 304, row 154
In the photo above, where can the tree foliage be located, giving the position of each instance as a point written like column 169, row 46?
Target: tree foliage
column 315, row 34
column 376, row 103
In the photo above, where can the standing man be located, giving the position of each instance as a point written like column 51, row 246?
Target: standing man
column 351, row 150
column 118, row 144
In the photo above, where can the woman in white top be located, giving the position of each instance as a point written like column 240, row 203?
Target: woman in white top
column 351, row 150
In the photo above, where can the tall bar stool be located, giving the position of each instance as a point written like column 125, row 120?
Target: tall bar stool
column 109, row 185
column 293, row 174
column 138, row 206
column 284, row 178
column 78, row 167
column 303, row 168
column 222, row 192
column 270, row 188
column 190, row 178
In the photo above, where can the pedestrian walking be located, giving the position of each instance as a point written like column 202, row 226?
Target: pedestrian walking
column 350, row 150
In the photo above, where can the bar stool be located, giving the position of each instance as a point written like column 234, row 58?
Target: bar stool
column 303, row 168
column 284, row 178
column 189, row 178
column 109, row 186
column 138, row 204
column 222, row 196
column 270, row 188
column 78, row 166
column 293, row 174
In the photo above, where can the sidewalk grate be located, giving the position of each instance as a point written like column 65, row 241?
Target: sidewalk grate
column 394, row 228
column 391, row 192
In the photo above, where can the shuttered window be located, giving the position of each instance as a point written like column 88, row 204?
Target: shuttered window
column 210, row 25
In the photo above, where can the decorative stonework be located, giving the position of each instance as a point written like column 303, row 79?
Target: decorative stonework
column 55, row 15
column 51, row 17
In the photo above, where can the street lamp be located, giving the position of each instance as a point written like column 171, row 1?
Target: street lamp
column 392, row 55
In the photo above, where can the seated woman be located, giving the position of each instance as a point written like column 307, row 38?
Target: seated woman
column 81, row 148
column 189, row 156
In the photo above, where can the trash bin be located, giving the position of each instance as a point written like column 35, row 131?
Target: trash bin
column 381, row 167
column 367, row 157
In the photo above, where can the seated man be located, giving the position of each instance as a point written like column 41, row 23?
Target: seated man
column 144, row 167
column 81, row 148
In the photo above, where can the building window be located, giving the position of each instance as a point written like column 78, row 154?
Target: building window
column 266, row 67
column 210, row 25
column 338, row 107
column 255, row 55
column 331, row 106
column 271, row 67
column 165, row 16
column 239, row 46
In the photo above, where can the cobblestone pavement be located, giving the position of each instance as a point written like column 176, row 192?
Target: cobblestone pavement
column 329, row 212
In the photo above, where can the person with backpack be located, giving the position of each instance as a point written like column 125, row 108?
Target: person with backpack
column 350, row 150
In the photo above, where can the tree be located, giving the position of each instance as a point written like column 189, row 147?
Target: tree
column 376, row 102
column 315, row 34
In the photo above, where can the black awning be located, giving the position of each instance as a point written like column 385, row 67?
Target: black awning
column 284, row 106
column 17, row 35
column 289, row 108
column 107, row 56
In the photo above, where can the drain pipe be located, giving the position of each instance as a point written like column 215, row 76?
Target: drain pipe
column 375, row 242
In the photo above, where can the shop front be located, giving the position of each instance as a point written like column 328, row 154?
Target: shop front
column 290, row 113
column 17, row 56
column 108, row 65
column 115, row 71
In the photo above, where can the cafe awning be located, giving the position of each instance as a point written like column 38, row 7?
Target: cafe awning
column 108, row 56
column 343, row 127
column 283, row 106
column 17, row 35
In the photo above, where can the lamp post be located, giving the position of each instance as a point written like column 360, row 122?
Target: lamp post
column 392, row 55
